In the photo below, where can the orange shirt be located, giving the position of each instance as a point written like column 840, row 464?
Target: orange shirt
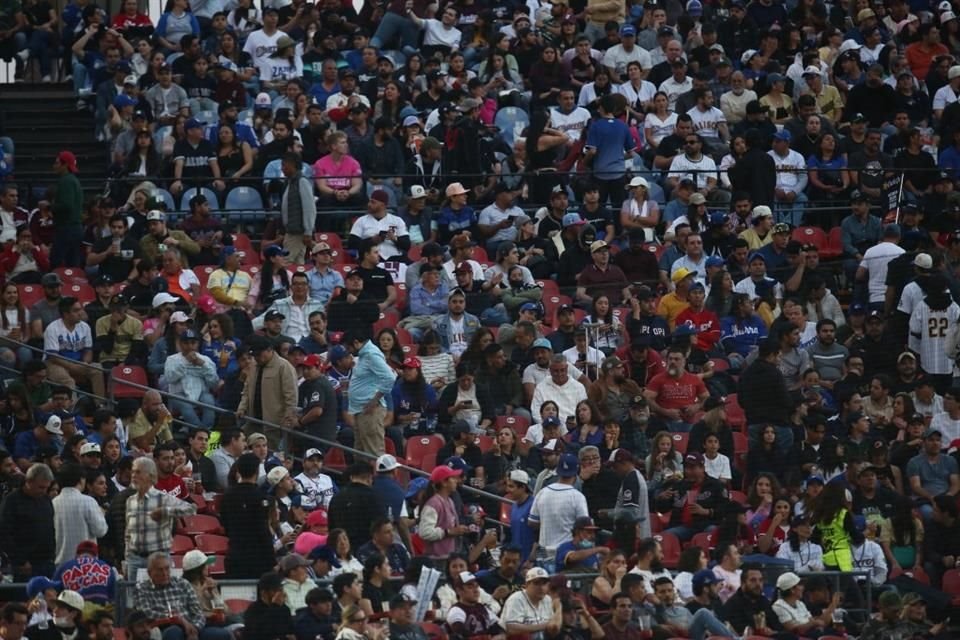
column 919, row 57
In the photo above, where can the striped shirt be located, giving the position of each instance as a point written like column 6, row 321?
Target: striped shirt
column 931, row 336
column 555, row 508
column 144, row 535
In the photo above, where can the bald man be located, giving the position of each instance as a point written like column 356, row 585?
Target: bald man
column 151, row 425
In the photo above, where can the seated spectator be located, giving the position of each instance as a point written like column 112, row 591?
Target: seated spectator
column 338, row 176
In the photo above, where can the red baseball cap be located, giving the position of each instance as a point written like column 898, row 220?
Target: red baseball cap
column 443, row 472
column 411, row 362
column 317, row 518
column 67, row 158
column 313, row 360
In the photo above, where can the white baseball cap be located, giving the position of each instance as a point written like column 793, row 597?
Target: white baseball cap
column 276, row 475
column 787, row 581
column 761, row 211
column 386, row 462
column 263, row 100
column 519, row 476
column 923, row 261
column 179, row 316
column 156, row 214
column 537, row 573
column 89, row 447
column 196, row 558
column 163, row 298
column 466, row 576
column 639, row 181
column 53, row 426
column 812, row 70
column 72, row 599
column 417, row 192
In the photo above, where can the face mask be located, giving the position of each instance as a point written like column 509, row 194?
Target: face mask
column 63, row 623
column 586, row 544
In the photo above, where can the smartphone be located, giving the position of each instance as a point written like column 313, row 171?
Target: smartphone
column 468, row 402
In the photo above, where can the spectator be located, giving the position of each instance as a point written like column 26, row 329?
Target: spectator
column 741, row 609
column 151, row 424
column 270, row 394
column 356, row 505
column 76, row 516
column 27, row 526
column 932, row 474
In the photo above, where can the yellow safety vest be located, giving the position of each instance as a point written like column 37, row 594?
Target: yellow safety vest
column 836, row 542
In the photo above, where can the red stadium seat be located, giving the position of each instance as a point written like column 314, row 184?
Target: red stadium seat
column 199, row 524
column 485, row 443
column 331, row 239
column 414, row 253
column 212, row 543
column 410, row 350
column 401, row 302
column 659, row 522
column 71, row 275
column 550, row 288
column 218, row 568
column 79, row 290
column 518, row 424
column 680, row 442
column 203, row 274
column 951, row 585
column 738, row 496
column 30, row 294
column 181, row 544
column 735, row 414
column 389, row 447
column 480, row 254
column 404, row 337
column 834, row 246
column 670, row 545
column 433, row 631
column 418, row 447
column 237, row 605
column 741, row 446
column 123, row 374
column 701, row 540
column 334, row 460
column 251, row 256
column 810, row 235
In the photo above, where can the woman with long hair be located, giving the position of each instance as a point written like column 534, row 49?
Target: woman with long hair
column 774, row 529
column 502, row 458
column 412, row 77
column 14, row 329
column 805, row 555
column 733, row 530
column 207, row 589
column 234, row 156
column 546, row 74
column 767, row 457
column 143, row 161
column 97, row 488
column 414, row 400
column 473, row 356
column 764, row 489
column 339, row 541
column 17, row 417
column 220, row 346
column 376, row 583
column 111, row 451
column 609, row 336
column 456, row 564
column 543, row 143
column 438, row 367
column 230, row 50
column 497, row 76
column 720, row 298
column 611, row 438
column 273, row 281
column 176, row 22
column 390, row 346
column 167, row 343
column 392, row 102
column 664, row 462
column 834, row 522
column 738, row 148
column 640, row 211
column 692, row 560
column 660, row 122
column 589, row 429
column 833, row 459
column 905, row 547
column 713, row 422
column 607, row 584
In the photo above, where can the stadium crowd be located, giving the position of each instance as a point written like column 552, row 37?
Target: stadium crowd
column 660, row 295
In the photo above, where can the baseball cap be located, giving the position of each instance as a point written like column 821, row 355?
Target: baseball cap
column 761, row 211
column 275, row 250
column 698, row 198
column 386, row 463
column 196, row 558
column 519, row 476
column 90, row 448
column 443, row 472
column 781, row 227
column 53, row 426
column 584, row 522
column 416, row 486
column 542, row 343
column 313, row 452
column 715, row 261
column 276, row 475
column 323, row 552
column 51, row 280
column 783, row 134
column 411, row 362
column 693, row 458
column 789, row 580
column 680, row 273
column 71, row 599
column 568, row 466
column 923, row 261
column 628, row 30
column 292, row 561
column 156, row 215
column 598, row 245
column 705, row 577
column 417, row 192
column 179, row 316
column 620, row 455
column 402, row 600
column 273, row 314
column 536, row 573
column 317, row 518
column 337, row 353
column 572, row 219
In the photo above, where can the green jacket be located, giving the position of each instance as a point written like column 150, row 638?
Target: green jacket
column 68, row 201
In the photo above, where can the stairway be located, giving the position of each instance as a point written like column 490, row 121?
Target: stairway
column 42, row 120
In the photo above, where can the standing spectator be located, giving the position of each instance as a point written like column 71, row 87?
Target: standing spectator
column 77, row 517
column 298, row 209
column 27, row 526
column 356, row 505
column 270, row 393
column 558, row 505
column 764, row 395
column 245, row 517
column 150, row 518
column 67, row 209
column 439, row 522
column 609, row 142
column 371, row 383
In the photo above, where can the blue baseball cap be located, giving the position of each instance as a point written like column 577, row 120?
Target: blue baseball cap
column 628, row 30
column 457, row 464
column 552, row 421
column 572, row 220
column 705, row 577
column 323, row 552
column 123, row 100
column 568, row 466
column 416, row 486
column 858, row 308
column 528, row 306
column 715, row 261
column 718, row 219
column 542, row 343
column 192, row 123
column 336, row 353
column 783, row 134
column 756, row 255
column 275, row 250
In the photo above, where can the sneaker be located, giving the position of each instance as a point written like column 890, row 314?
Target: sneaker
column 81, row 104
column 46, row 79
column 85, row 92
column 24, row 55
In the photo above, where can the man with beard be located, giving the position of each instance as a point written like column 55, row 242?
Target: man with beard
column 469, row 617
column 676, row 395
column 502, row 382
column 744, row 608
column 876, row 347
column 353, row 306
column 151, row 424
column 613, row 391
column 631, row 514
column 869, row 167
column 167, row 481
column 637, row 262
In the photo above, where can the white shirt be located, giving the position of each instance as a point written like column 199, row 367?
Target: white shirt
column 699, row 170
column 58, row 339
column 636, row 95
column 519, row 609
column 707, row 123
column 315, row 492
column 875, row 261
column 76, row 517
column 944, row 97
column 791, row 170
column 534, row 374
column 675, row 89
column 260, row 46
column 273, row 69
column 566, row 397
column 718, row 468
column 933, row 337
column 493, row 215
column 949, row 427
column 660, row 129
column 448, row 266
column 869, row 557
column 809, row 558
column 436, row 34
column 688, row 263
column 594, row 356
column 731, row 582
column 556, row 507
column 368, row 226
column 617, row 59
column 797, row 614
column 749, row 287
column 571, row 124
column 649, row 577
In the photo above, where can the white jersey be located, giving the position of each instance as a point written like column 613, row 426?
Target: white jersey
column 944, row 97
column 315, row 492
column 698, row 170
column 637, row 95
column 707, row 123
column 932, row 333
column 571, row 124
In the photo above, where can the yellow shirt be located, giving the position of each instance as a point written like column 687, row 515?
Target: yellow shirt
column 754, row 240
column 670, row 307
column 141, row 426
column 830, row 103
column 228, row 289
column 128, row 332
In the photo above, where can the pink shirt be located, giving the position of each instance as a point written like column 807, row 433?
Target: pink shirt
column 338, row 175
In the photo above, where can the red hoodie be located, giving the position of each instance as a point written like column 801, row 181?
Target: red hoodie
column 707, row 325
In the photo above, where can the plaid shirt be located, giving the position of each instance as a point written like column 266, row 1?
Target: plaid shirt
column 175, row 599
column 143, row 535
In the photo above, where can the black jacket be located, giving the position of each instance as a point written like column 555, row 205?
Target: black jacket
column 712, row 495
column 741, row 607
column 756, row 174
column 26, row 530
column 267, row 622
column 353, row 509
column 763, row 394
column 244, row 517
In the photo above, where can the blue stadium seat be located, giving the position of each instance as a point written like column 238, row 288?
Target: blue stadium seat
column 244, row 199
column 511, row 121
column 167, row 199
column 209, row 193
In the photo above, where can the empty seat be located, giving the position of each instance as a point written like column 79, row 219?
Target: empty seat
column 123, row 374
column 212, row 543
column 200, row 524
column 244, row 199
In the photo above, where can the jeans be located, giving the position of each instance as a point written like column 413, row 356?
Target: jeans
column 80, row 77
column 66, row 251
column 175, row 632
column 594, row 31
column 784, row 436
column 13, row 358
column 791, row 213
column 188, row 411
column 392, row 26
column 39, row 46
column 703, row 625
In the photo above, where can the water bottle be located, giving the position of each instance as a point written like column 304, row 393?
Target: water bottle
column 42, row 612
